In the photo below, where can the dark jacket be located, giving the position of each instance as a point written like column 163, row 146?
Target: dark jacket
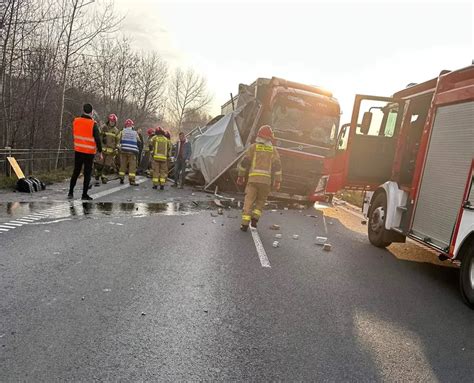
column 96, row 132
column 186, row 150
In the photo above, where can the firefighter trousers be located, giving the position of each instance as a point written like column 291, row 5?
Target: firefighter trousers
column 107, row 165
column 160, row 172
column 255, row 197
column 128, row 160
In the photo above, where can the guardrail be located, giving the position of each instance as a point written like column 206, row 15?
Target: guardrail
column 34, row 161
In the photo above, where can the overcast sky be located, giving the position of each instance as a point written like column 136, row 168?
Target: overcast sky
column 347, row 47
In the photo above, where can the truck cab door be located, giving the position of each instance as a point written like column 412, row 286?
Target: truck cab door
column 372, row 141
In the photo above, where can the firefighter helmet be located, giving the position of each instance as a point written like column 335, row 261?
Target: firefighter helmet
column 159, row 131
column 129, row 123
column 113, row 118
column 167, row 135
column 265, row 132
column 150, row 131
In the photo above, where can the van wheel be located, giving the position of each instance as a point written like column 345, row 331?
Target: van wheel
column 466, row 275
column 376, row 224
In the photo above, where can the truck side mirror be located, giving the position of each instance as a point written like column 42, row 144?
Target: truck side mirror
column 366, row 121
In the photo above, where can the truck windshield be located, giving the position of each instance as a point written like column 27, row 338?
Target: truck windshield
column 297, row 120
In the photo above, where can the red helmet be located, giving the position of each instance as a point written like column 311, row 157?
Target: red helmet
column 167, row 135
column 265, row 132
column 159, row 131
column 150, row 131
column 128, row 123
column 113, row 118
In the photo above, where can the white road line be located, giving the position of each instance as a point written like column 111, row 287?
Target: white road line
column 262, row 254
column 7, row 226
column 27, row 220
column 18, row 222
column 14, row 224
column 4, row 229
column 116, row 189
column 325, row 226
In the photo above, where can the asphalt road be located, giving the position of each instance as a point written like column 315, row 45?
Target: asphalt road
column 128, row 288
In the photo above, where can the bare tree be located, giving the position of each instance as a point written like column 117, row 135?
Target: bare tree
column 187, row 93
column 79, row 30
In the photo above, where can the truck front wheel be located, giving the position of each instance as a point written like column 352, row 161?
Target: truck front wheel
column 376, row 224
column 466, row 276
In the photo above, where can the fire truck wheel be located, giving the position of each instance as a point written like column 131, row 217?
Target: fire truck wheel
column 466, row 276
column 376, row 226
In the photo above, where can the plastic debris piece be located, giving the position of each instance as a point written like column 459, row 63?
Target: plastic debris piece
column 331, row 222
column 193, row 194
column 274, row 210
column 206, row 311
column 295, row 236
column 83, row 298
column 119, row 224
column 278, row 235
column 321, row 240
column 285, row 208
column 143, row 313
column 106, row 290
column 276, row 244
column 214, row 221
column 275, row 227
column 46, row 231
column 220, row 211
column 218, row 203
column 327, row 247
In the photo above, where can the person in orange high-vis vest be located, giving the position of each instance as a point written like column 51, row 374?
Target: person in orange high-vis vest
column 87, row 143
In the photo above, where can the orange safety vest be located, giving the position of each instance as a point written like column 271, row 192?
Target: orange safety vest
column 83, row 131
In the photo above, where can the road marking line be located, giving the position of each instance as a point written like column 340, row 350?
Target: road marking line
column 18, row 222
column 262, row 254
column 27, row 220
column 6, row 226
column 4, row 229
column 116, row 189
column 14, row 224
column 325, row 226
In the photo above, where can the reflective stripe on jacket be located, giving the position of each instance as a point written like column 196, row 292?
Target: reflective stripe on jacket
column 160, row 146
column 129, row 141
column 261, row 161
column 109, row 138
column 83, row 132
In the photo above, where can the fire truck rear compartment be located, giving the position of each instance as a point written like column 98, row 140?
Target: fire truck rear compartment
column 447, row 165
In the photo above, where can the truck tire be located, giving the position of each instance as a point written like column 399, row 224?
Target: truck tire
column 466, row 275
column 376, row 224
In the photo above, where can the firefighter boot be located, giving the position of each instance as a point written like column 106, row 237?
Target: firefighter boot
column 254, row 222
column 122, row 180
column 244, row 227
column 155, row 187
column 162, row 187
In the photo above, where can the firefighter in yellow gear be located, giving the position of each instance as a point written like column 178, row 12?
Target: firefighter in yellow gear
column 262, row 162
column 129, row 141
column 160, row 153
column 109, row 136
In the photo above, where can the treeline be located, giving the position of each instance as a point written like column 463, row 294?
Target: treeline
column 57, row 54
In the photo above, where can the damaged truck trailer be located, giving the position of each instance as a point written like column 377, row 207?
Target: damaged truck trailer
column 305, row 122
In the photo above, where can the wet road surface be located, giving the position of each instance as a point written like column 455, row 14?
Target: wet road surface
column 141, row 286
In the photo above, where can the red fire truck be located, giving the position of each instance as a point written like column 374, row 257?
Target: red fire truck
column 412, row 154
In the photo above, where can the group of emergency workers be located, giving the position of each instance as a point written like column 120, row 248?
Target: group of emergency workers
column 121, row 151
column 260, row 165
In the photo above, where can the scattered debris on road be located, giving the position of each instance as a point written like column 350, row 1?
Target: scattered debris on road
column 220, row 211
column 276, row 244
column 275, row 227
column 321, row 240
column 143, row 313
column 327, row 247
column 278, row 235
column 106, row 290
column 295, row 236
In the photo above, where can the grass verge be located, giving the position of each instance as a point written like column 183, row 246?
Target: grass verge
column 48, row 178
